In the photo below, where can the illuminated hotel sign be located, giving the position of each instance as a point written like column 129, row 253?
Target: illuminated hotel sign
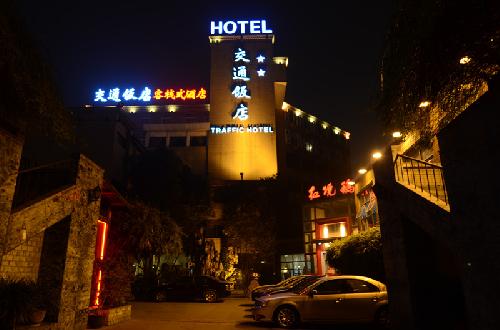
column 117, row 95
column 240, row 91
column 329, row 190
column 239, row 27
column 237, row 128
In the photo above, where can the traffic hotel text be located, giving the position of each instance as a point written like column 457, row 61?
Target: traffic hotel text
column 238, row 128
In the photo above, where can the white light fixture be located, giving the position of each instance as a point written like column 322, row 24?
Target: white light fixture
column 377, row 155
column 465, row 60
column 424, row 104
column 172, row 108
column 362, row 171
column 351, row 183
column 396, row 134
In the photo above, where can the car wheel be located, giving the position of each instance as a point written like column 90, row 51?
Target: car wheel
column 286, row 317
column 160, row 296
column 210, row 296
column 382, row 318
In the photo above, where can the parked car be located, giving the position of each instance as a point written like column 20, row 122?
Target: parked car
column 205, row 288
column 332, row 299
column 289, row 284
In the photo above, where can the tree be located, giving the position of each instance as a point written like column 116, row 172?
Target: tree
column 249, row 222
column 140, row 234
column 29, row 102
column 359, row 254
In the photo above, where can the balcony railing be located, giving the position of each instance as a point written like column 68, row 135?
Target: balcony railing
column 422, row 177
column 36, row 182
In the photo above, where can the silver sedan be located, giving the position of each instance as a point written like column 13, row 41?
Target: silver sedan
column 334, row 299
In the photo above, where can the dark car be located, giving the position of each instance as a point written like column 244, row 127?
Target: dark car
column 205, row 288
column 284, row 286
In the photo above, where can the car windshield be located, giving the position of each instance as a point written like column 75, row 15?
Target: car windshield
column 289, row 281
column 305, row 282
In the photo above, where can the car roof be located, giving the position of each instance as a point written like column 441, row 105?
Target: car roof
column 357, row 277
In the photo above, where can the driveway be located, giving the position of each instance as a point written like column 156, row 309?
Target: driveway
column 232, row 313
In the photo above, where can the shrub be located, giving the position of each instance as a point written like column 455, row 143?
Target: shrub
column 359, row 254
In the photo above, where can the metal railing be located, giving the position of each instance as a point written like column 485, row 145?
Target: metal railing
column 421, row 176
column 39, row 181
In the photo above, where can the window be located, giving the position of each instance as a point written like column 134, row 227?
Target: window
column 334, row 230
column 359, row 286
column 198, row 141
column 157, row 142
column 333, row 287
column 177, row 141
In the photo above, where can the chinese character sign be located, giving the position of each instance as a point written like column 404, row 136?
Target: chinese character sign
column 329, row 190
column 146, row 94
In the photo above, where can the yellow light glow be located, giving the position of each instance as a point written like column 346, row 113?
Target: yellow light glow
column 424, row 104
column 327, row 245
column 343, row 232
column 281, row 60
column 312, row 119
column 351, row 183
column 324, row 125
column 325, row 231
column 298, row 112
column 377, row 155
column 336, row 130
column 132, row 109
column 362, row 171
column 396, row 134
column 347, row 135
column 152, row 108
column 465, row 60
column 172, row 108
column 285, row 106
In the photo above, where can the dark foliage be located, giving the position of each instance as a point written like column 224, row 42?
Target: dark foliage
column 29, row 102
column 359, row 254
column 421, row 60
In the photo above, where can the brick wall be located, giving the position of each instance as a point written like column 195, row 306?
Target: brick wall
column 24, row 260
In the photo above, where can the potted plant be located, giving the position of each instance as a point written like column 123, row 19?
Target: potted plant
column 20, row 303
column 38, row 307
column 96, row 317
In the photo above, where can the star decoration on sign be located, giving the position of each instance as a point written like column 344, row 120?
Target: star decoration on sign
column 260, row 59
column 261, row 73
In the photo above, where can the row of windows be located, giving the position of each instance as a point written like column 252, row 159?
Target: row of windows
column 177, row 141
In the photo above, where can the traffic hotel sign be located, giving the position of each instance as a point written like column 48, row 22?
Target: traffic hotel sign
column 238, row 128
column 239, row 27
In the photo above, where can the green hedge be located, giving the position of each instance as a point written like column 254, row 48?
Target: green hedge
column 359, row 254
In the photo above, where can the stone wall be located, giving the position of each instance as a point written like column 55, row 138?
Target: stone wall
column 22, row 233
column 10, row 156
column 117, row 314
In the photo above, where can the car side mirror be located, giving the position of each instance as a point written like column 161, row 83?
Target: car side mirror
column 312, row 293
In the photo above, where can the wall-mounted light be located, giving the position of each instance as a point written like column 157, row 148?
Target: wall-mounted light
column 377, row 155
column 23, row 232
column 465, row 60
column 362, row 171
column 396, row 134
column 424, row 104
column 93, row 195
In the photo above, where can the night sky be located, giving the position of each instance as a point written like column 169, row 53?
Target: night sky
column 333, row 53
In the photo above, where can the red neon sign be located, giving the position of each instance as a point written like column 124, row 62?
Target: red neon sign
column 100, row 249
column 329, row 190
